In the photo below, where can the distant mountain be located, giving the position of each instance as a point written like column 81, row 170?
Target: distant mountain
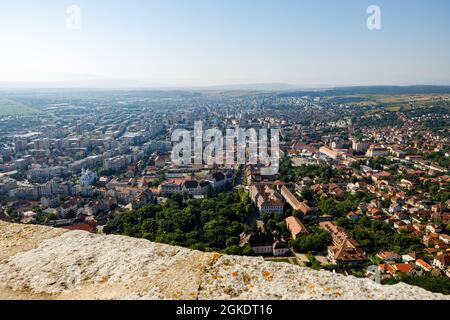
column 82, row 84
column 256, row 87
column 418, row 89
column 284, row 89
column 142, row 85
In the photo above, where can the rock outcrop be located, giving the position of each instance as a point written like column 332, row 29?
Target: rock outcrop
column 45, row 263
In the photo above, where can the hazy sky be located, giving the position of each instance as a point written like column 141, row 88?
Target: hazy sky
column 208, row 42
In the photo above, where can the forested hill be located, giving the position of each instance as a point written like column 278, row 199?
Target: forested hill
column 370, row 90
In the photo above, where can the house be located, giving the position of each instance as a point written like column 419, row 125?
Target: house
column 354, row 216
column 430, row 240
column 389, row 257
column 400, row 215
column 409, row 257
column 377, row 151
column 265, row 244
column 261, row 244
column 397, row 268
column 443, row 263
column 353, row 187
column 423, row 265
column 375, row 213
column 142, row 198
column 333, row 154
column 294, row 202
column 219, row 180
column 399, row 224
column 88, row 227
column 50, row 202
column 405, row 183
column 296, row 227
column 280, row 248
column 266, row 199
column 270, row 204
column 171, row 186
column 394, row 208
column 127, row 194
column 434, row 228
column 344, row 249
column 419, row 227
column 444, row 238
column 346, row 252
column 161, row 160
column 67, row 208
column 195, row 188
column 28, row 216
column 403, row 267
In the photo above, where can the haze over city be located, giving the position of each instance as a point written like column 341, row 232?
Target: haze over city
column 206, row 43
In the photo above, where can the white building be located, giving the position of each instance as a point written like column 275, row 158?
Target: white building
column 88, row 177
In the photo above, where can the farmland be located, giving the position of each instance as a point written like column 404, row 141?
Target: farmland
column 10, row 107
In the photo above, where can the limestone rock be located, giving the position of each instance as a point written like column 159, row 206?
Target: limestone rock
column 44, row 263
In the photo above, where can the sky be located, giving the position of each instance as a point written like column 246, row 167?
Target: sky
column 218, row 42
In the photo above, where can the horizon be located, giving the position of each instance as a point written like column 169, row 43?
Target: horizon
column 247, row 87
column 157, row 44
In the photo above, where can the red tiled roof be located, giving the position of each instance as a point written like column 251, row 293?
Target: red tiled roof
column 82, row 227
column 295, row 226
column 403, row 267
column 424, row 264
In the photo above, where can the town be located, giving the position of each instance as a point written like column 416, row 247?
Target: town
column 362, row 188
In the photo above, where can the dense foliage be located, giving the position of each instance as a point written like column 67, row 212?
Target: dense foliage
column 210, row 224
column 290, row 173
column 380, row 120
column 340, row 206
column 433, row 284
column 439, row 158
column 316, row 241
column 375, row 236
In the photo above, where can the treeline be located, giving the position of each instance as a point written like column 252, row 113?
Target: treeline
column 433, row 284
column 339, row 206
column 439, row 158
column 375, row 236
column 210, row 224
column 316, row 241
column 288, row 173
column 387, row 119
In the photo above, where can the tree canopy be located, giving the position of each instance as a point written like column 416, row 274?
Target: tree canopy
column 209, row 224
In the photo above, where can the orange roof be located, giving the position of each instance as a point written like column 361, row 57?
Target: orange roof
column 178, row 181
column 404, row 267
column 387, row 255
column 294, row 202
column 424, row 264
column 383, row 267
column 82, row 227
column 295, row 226
column 384, row 174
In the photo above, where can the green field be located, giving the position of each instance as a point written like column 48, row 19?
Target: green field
column 10, row 107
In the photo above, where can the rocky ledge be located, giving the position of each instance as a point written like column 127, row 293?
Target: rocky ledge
column 45, row 263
